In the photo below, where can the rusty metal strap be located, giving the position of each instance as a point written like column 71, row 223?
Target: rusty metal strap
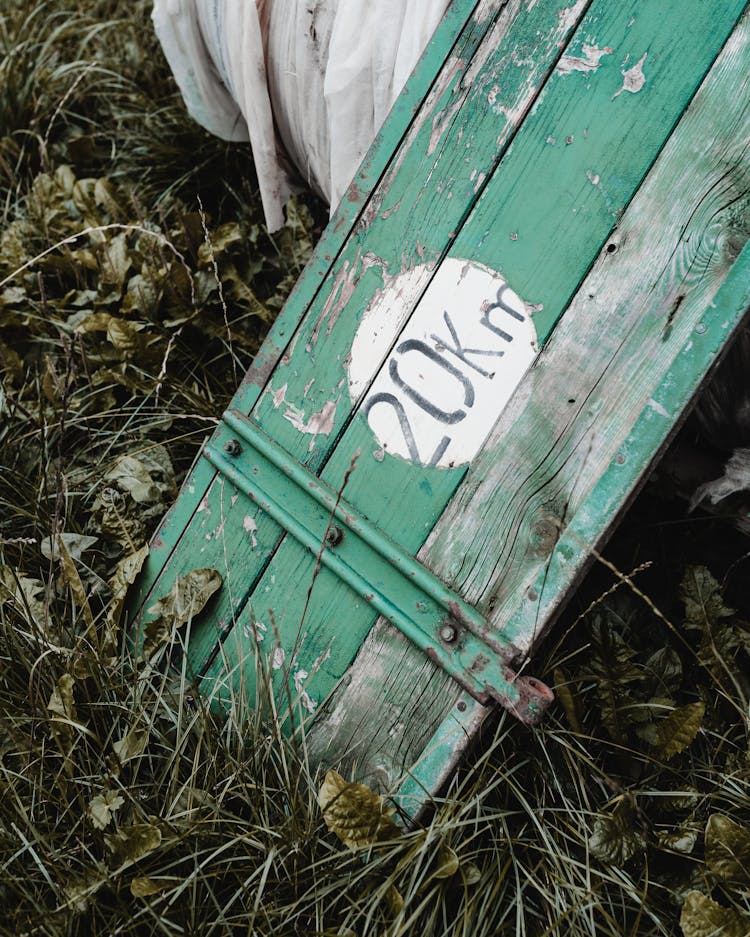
column 448, row 630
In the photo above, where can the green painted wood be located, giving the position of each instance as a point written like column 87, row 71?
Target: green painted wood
column 457, row 35
column 531, row 186
column 474, row 64
column 525, row 154
column 609, row 390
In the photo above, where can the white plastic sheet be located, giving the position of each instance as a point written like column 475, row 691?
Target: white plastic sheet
column 307, row 82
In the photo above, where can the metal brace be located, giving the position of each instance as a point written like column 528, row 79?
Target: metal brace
column 448, row 630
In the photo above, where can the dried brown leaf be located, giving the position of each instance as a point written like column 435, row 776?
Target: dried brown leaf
column 728, row 850
column 702, row 917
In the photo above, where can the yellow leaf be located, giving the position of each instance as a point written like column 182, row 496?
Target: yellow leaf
column 675, row 733
column 728, row 850
column 186, row 599
column 61, row 707
column 71, row 577
column 447, row 862
column 131, row 745
column 354, row 813
column 125, row 574
column 61, row 701
column 143, row 886
column 702, row 917
column 395, row 900
column 132, row 842
column 103, row 806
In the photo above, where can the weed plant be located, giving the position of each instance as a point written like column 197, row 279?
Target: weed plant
column 136, row 282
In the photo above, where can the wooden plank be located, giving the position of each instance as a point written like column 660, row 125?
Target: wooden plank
column 245, row 546
column 623, row 137
column 575, row 441
column 458, row 35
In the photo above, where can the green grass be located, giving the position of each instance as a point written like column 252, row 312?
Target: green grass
column 136, row 282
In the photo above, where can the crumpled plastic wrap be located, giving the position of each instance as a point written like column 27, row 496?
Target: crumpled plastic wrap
column 307, row 82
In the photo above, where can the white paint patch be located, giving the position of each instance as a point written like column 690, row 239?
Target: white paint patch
column 593, row 177
column 233, row 500
column 588, row 62
column 299, row 679
column 568, row 17
column 251, row 527
column 279, row 656
column 319, row 424
column 633, row 78
column 259, row 630
column 278, row 396
column 203, row 506
column 658, row 408
column 449, row 372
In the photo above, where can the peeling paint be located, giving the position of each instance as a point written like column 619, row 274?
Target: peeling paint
column 319, row 424
column 633, row 78
column 203, row 506
column 310, row 704
column 589, row 62
column 593, row 177
column 252, row 528
column 277, row 396
column 443, row 119
column 570, row 16
column 279, row 656
column 658, row 408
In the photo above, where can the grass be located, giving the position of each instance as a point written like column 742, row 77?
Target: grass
column 136, row 282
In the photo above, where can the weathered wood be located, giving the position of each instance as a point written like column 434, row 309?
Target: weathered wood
column 526, row 151
column 538, row 187
column 458, row 35
column 574, row 443
column 472, row 67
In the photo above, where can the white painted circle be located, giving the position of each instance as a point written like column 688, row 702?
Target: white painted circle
column 450, row 367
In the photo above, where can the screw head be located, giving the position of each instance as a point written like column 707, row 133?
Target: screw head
column 448, row 633
column 232, row 447
column 334, row 536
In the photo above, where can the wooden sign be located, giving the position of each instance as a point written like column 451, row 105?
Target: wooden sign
column 540, row 260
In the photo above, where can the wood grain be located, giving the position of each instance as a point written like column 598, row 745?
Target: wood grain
column 606, row 394
column 538, row 188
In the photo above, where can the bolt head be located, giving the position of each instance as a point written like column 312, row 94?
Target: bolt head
column 448, row 633
column 334, row 536
column 232, row 447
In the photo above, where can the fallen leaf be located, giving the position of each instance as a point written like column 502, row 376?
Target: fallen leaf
column 448, row 863
column 187, row 599
column 125, row 574
column 131, row 745
column 133, row 842
column 702, row 917
column 678, row 730
column 61, row 707
column 728, row 850
column 355, row 813
column 143, row 887
column 103, row 806
column 73, row 579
